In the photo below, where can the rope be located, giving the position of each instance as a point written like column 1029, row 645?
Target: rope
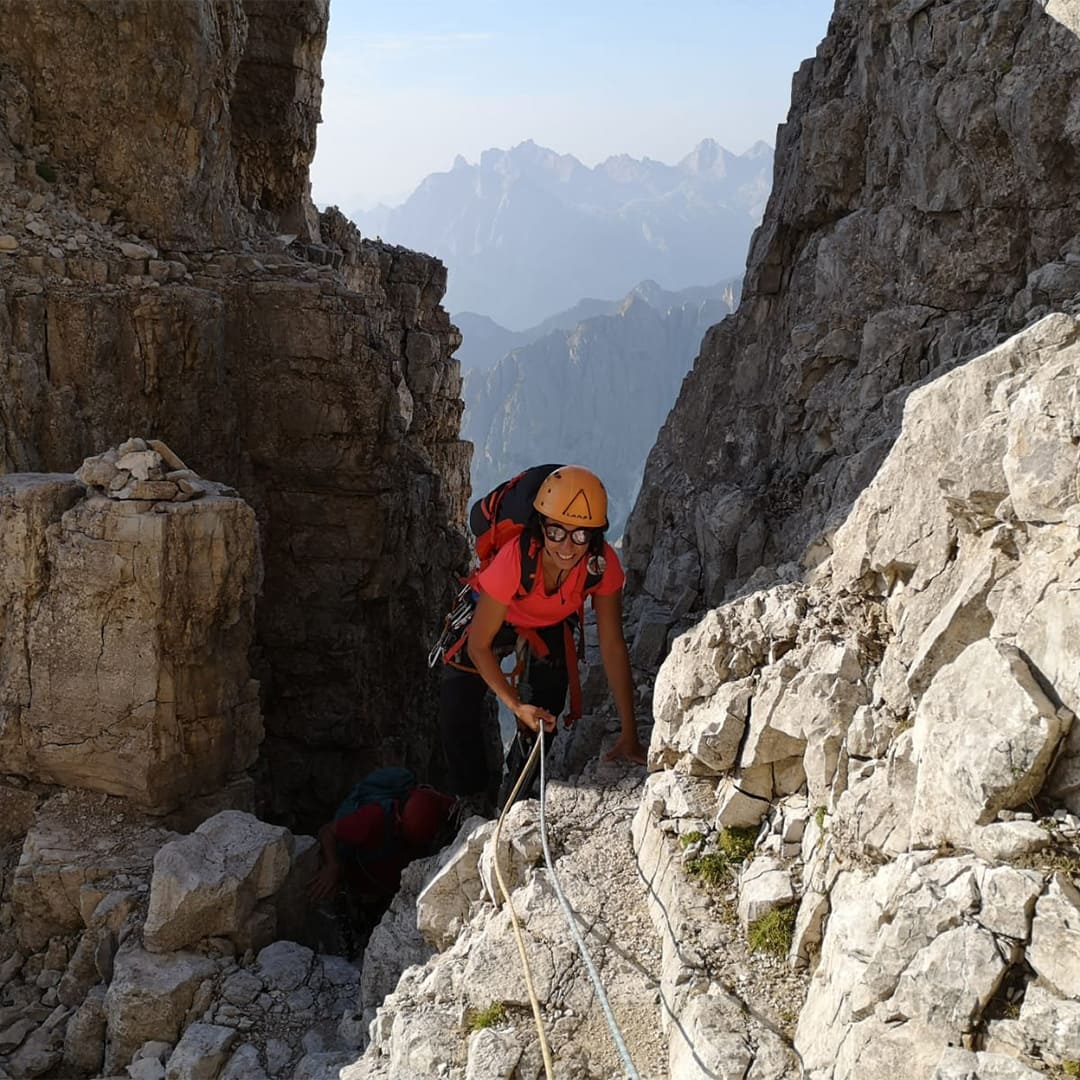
column 549, row 1066
column 568, row 911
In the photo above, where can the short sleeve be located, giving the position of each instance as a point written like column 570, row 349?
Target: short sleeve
column 501, row 578
column 614, row 577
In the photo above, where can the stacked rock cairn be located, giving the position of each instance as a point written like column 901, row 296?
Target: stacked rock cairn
column 142, row 469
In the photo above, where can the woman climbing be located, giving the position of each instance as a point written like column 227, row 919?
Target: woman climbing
column 528, row 596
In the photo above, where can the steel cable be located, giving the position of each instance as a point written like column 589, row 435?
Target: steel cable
column 571, row 921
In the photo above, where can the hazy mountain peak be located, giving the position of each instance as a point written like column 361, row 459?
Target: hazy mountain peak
column 707, row 157
column 647, row 290
column 530, row 231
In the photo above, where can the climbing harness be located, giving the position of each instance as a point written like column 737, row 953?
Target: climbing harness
column 568, row 912
column 457, row 619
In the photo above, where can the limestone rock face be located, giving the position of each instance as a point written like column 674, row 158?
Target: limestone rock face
column 126, row 639
column 198, row 93
column 919, row 215
column 275, row 110
column 163, row 272
column 64, row 881
column 417, row 1029
column 131, row 944
column 149, row 997
column 917, row 691
column 985, row 734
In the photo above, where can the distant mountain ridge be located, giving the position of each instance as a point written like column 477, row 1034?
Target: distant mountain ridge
column 485, row 342
column 528, row 231
column 594, row 393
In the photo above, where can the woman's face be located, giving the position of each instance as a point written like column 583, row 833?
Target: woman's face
column 566, row 546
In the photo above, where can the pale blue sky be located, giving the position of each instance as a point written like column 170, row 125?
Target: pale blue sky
column 410, row 85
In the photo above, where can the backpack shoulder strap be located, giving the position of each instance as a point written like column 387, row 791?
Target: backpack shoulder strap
column 530, row 564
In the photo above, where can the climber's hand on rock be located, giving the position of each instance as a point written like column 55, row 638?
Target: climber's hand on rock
column 325, row 883
column 628, row 748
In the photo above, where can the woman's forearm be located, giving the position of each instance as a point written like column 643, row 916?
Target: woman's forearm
column 616, row 660
column 487, row 665
column 328, row 844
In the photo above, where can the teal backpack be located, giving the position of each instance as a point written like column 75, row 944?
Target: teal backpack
column 389, row 787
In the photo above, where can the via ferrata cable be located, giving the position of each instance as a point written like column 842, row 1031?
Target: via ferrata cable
column 571, row 921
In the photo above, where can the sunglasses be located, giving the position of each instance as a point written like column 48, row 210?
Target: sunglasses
column 557, row 534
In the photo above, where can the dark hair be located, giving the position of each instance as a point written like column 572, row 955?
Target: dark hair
column 596, row 542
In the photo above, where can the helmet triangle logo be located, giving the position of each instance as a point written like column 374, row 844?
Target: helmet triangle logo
column 578, row 507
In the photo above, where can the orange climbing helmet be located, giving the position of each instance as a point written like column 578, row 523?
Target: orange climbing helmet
column 573, row 496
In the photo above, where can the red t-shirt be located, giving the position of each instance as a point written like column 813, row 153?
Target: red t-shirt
column 501, row 579
column 425, row 813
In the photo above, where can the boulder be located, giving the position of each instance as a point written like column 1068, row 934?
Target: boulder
column 1055, row 936
column 493, row 1055
column 149, row 998
column 985, row 735
column 1007, row 900
column 208, row 883
column 155, row 611
column 244, row 1065
column 1051, row 1021
column 707, row 734
column 707, row 1042
column 765, row 884
column 200, row 1053
column 284, row 965
column 518, row 850
column 63, row 873
column 737, row 808
column 444, row 903
column 44, row 1048
column 84, row 1039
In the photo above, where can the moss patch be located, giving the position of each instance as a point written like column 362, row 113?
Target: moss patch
column 494, row 1014
column 737, row 844
column 711, row 869
column 772, row 933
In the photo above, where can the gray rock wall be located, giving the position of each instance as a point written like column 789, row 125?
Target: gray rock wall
column 918, row 696
column 125, row 646
column 187, row 116
column 275, row 110
column 315, row 378
column 923, row 208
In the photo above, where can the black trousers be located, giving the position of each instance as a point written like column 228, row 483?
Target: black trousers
column 462, row 707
